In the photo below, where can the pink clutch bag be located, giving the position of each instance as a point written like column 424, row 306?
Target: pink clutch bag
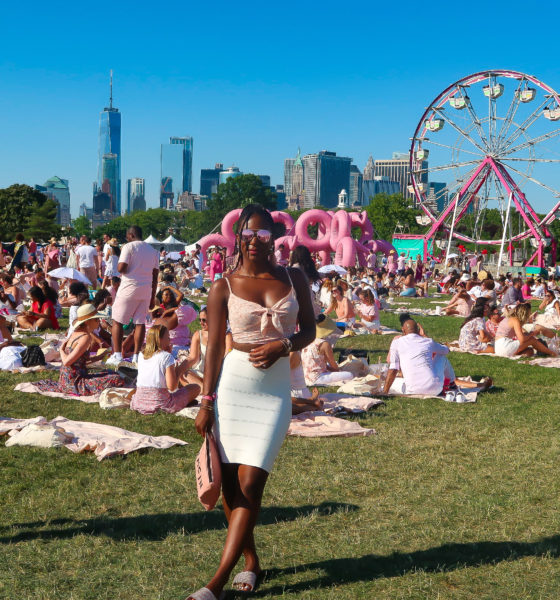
column 208, row 473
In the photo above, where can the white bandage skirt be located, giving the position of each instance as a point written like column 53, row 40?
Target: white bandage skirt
column 253, row 410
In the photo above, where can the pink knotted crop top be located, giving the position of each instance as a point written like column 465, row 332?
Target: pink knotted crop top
column 252, row 323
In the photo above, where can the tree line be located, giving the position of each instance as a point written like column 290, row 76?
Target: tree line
column 27, row 210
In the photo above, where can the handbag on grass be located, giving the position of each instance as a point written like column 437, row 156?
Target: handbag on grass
column 208, row 473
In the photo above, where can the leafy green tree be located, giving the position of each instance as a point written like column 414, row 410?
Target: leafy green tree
column 82, row 226
column 385, row 211
column 154, row 221
column 17, row 204
column 237, row 192
column 41, row 223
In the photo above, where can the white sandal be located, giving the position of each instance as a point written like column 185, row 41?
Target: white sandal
column 204, row 594
column 245, row 578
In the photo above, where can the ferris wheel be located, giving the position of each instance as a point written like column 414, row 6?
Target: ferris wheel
column 490, row 141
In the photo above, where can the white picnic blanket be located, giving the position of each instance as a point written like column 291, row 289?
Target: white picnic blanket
column 319, row 424
column 83, row 436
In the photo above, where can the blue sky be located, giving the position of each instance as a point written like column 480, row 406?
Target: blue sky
column 249, row 81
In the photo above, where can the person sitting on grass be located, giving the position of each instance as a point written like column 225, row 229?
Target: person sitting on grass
column 42, row 314
column 197, row 353
column 303, row 399
column 74, row 352
column 319, row 365
column 369, row 311
column 176, row 316
column 50, row 294
column 343, row 307
column 526, row 289
column 511, row 340
column 158, row 377
column 494, row 319
column 473, row 336
column 461, row 303
column 551, row 307
column 410, row 285
column 423, row 364
column 513, row 295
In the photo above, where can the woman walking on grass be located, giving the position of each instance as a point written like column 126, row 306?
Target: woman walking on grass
column 248, row 406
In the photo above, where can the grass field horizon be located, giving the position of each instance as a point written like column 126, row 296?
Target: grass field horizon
column 446, row 501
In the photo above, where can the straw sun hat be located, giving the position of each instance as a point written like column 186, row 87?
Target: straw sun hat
column 86, row 312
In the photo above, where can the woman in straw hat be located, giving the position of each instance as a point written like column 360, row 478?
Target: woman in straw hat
column 74, row 376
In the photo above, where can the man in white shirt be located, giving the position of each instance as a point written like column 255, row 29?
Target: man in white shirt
column 139, row 269
column 423, row 363
column 86, row 256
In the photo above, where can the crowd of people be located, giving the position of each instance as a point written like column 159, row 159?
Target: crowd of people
column 266, row 337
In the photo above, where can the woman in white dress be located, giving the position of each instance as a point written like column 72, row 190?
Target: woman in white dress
column 247, row 404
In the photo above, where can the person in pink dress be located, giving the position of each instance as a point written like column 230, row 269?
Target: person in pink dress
column 216, row 265
column 392, row 262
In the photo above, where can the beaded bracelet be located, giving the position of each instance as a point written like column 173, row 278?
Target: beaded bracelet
column 206, row 407
column 210, row 397
column 287, row 343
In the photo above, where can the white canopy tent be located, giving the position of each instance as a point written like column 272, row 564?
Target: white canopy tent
column 173, row 244
column 154, row 243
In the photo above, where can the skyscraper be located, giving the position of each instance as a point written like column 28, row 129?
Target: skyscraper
column 325, row 175
column 369, row 170
column 58, row 190
column 229, row 172
column 288, row 170
column 210, row 179
column 398, row 169
column 110, row 144
column 355, row 195
column 136, row 194
column 176, row 169
column 293, row 167
column 297, row 177
column 110, row 179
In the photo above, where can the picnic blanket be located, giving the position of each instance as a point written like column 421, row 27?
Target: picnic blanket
column 454, row 347
column 335, row 403
column 30, row 388
column 383, row 330
column 323, row 423
column 83, row 436
column 319, row 424
column 471, row 394
column 550, row 362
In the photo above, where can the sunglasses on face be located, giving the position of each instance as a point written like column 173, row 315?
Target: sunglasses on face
column 262, row 235
column 203, row 321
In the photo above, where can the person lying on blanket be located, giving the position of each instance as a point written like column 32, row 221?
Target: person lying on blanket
column 423, row 364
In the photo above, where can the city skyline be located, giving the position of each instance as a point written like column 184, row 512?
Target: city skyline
column 360, row 98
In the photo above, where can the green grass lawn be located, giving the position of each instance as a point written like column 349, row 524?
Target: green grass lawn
column 447, row 501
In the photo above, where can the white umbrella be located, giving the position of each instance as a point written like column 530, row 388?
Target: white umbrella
column 69, row 273
column 452, row 256
column 330, row 268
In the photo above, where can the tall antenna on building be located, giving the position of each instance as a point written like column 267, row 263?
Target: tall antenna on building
column 111, row 93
